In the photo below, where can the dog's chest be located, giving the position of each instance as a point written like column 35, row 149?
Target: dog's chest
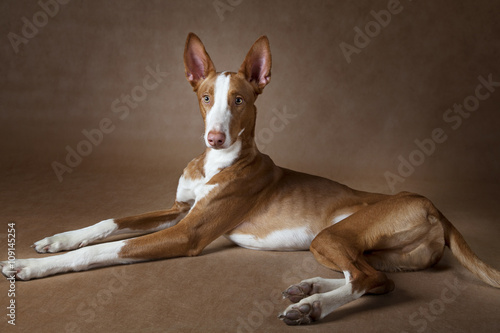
column 193, row 184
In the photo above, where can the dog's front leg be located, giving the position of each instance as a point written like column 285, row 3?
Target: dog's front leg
column 82, row 259
column 172, row 242
column 203, row 224
column 139, row 224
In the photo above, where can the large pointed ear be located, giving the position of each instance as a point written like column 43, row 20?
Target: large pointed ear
column 257, row 65
column 197, row 62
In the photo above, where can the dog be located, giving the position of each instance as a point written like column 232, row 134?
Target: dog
column 232, row 189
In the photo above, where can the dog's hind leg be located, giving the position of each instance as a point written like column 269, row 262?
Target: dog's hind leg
column 140, row 224
column 306, row 288
column 399, row 233
column 360, row 278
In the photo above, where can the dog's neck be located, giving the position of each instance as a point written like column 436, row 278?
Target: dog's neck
column 244, row 152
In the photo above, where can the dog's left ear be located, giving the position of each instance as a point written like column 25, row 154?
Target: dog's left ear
column 257, row 65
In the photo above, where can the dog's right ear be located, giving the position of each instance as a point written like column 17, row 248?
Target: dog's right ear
column 197, row 62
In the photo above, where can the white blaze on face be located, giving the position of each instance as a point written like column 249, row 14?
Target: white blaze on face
column 219, row 116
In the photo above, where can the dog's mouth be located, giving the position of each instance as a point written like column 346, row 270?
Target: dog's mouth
column 217, row 148
column 227, row 147
column 221, row 147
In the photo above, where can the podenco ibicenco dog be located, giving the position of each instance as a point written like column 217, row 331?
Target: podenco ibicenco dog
column 234, row 190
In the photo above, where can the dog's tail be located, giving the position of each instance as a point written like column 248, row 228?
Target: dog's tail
column 461, row 250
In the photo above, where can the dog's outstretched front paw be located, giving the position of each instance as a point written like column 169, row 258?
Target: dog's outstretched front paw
column 59, row 242
column 20, row 269
column 6, row 269
column 301, row 314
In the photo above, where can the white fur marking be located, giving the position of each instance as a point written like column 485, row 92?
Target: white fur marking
column 279, row 240
column 334, row 299
column 76, row 238
column 218, row 159
column 193, row 190
column 341, row 217
column 329, row 301
column 219, row 116
column 186, row 189
column 347, row 276
column 82, row 259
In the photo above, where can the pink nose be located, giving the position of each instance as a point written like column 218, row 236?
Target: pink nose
column 216, row 139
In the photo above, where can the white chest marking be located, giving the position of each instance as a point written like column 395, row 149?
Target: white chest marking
column 193, row 190
column 219, row 117
column 341, row 217
column 216, row 160
column 347, row 276
column 279, row 240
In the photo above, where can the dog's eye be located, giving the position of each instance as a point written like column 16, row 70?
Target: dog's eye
column 238, row 101
column 206, row 99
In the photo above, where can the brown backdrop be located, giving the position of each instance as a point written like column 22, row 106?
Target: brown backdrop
column 97, row 121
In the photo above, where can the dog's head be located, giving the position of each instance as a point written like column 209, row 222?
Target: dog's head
column 227, row 99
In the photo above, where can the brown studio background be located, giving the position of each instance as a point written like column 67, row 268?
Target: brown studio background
column 352, row 122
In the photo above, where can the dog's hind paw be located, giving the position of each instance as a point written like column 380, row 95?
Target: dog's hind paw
column 301, row 314
column 299, row 291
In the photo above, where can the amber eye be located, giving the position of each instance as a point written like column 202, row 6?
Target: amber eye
column 206, row 99
column 238, row 101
